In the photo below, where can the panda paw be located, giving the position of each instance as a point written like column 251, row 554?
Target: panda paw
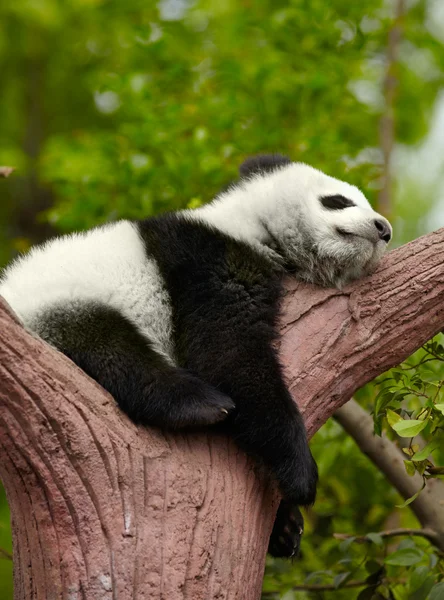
column 287, row 531
column 202, row 404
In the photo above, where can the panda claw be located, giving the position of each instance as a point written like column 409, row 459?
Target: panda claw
column 287, row 531
column 202, row 404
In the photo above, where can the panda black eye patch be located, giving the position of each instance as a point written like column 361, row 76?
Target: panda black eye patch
column 336, row 202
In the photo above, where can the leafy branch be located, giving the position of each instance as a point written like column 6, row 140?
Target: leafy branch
column 426, row 533
column 411, row 404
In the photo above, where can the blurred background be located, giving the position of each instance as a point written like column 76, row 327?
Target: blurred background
column 126, row 108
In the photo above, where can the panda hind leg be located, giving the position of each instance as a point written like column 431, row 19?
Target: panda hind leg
column 111, row 350
column 287, row 531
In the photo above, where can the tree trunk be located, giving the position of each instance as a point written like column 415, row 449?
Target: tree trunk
column 102, row 509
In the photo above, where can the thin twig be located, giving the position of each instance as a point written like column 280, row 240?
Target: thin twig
column 435, row 470
column 429, row 351
column 408, row 367
column 320, row 587
column 5, row 554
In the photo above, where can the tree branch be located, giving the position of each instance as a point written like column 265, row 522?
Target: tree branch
column 428, row 534
column 334, row 341
column 104, row 509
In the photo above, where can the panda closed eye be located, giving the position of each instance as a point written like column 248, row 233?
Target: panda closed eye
column 336, row 202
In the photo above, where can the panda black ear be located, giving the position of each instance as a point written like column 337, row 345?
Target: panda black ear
column 263, row 163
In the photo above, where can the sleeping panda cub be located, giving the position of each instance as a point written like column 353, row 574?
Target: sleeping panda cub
column 175, row 315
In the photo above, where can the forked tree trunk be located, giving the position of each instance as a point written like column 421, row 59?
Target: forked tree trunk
column 102, row 509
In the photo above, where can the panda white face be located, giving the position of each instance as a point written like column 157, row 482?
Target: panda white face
column 321, row 228
column 326, row 227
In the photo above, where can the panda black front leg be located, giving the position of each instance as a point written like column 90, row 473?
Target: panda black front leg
column 109, row 348
column 268, row 425
column 266, row 422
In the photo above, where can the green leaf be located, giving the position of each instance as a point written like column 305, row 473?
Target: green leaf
column 382, row 400
column 372, row 566
column 409, row 467
column 375, row 538
column 422, row 593
column 412, row 498
column 426, row 451
column 433, row 561
column 437, row 592
column 440, row 407
column 344, row 545
column 397, row 592
column 340, row 579
column 393, row 418
column 405, row 557
column 397, row 375
column 417, row 578
column 409, row 428
column 377, row 428
column 406, row 543
column 366, row 594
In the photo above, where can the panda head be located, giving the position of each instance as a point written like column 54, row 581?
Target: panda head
column 323, row 229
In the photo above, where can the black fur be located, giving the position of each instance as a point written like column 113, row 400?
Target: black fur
column 225, row 301
column 263, row 163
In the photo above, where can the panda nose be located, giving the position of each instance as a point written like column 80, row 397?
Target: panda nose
column 384, row 231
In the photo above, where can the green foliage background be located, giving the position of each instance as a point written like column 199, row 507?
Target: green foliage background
column 116, row 109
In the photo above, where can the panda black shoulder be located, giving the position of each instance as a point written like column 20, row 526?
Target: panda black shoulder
column 176, row 241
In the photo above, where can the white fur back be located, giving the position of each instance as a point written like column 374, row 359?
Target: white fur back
column 108, row 265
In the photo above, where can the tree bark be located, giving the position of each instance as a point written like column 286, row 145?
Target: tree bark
column 102, row 509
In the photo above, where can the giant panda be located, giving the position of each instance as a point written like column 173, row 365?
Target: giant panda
column 175, row 315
